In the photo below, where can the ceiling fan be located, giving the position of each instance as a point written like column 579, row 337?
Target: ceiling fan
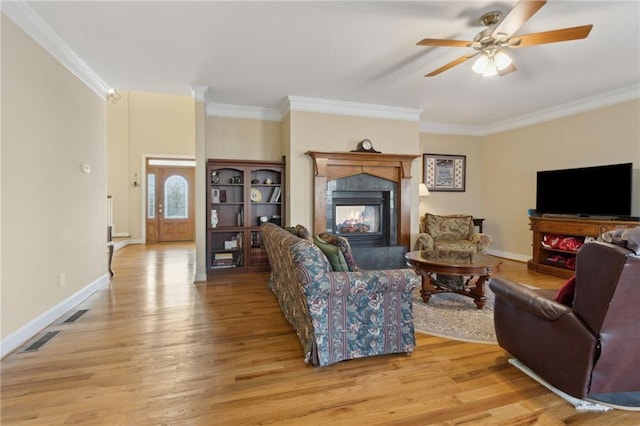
column 492, row 42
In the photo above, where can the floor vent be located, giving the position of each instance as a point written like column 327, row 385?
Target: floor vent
column 35, row 346
column 74, row 317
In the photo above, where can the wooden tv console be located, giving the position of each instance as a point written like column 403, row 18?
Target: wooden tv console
column 565, row 227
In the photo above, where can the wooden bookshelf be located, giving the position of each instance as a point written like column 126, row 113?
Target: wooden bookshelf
column 241, row 196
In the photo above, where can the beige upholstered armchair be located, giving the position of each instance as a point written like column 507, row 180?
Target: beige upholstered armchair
column 451, row 232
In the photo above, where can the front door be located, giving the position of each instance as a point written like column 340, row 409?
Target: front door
column 170, row 203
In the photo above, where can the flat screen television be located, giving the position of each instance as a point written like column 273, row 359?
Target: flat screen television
column 586, row 191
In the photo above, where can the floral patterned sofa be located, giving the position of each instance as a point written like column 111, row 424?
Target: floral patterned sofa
column 452, row 232
column 338, row 315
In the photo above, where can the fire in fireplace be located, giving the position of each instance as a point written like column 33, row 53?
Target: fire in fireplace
column 357, row 218
column 362, row 216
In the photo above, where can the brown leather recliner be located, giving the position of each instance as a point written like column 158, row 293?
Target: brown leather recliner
column 588, row 349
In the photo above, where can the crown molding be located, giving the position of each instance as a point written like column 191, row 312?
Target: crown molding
column 31, row 23
column 450, row 129
column 241, row 111
column 612, row 97
column 199, row 93
column 327, row 106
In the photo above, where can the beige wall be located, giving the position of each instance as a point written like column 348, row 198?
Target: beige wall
column 501, row 168
column 299, row 132
column 604, row 136
column 53, row 215
column 242, row 138
column 468, row 202
column 118, row 182
column 144, row 125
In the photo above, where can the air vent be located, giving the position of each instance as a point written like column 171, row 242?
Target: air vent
column 35, row 346
column 75, row 316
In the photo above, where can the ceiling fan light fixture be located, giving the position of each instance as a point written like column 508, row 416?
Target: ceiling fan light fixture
column 502, row 60
column 481, row 64
column 490, row 70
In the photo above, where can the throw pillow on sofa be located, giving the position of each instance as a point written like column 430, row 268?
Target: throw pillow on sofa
column 343, row 244
column 333, row 254
column 565, row 293
column 300, row 231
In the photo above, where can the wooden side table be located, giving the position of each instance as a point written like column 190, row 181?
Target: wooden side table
column 477, row 221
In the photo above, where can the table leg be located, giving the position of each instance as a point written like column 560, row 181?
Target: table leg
column 477, row 292
column 427, row 286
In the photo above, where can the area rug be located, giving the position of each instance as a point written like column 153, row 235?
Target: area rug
column 456, row 317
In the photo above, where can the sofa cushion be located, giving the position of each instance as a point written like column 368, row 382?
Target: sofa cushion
column 455, row 245
column 452, row 227
column 333, row 254
column 565, row 293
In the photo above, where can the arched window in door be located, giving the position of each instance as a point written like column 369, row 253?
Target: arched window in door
column 176, row 198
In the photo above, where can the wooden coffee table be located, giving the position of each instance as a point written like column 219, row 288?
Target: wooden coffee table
column 431, row 264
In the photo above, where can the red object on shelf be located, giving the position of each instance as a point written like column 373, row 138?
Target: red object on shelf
column 560, row 242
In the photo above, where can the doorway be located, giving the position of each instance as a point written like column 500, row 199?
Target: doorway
column 170, row 200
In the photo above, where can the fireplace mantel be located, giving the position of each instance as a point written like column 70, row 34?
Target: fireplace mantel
column 328, row 166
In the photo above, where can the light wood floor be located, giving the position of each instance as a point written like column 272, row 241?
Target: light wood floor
column 154, row 348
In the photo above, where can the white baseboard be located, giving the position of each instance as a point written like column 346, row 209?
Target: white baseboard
column 33, row 327
column 121, row 244
column 509, row 255
column 200, row 277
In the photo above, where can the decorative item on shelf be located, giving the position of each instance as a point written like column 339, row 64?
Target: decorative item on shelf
column 215, row 195
column 256, row 195
column 255, row 181
column 268, row 181
column 276, row 220
column 223, row 196
column 214, row 218
column 365, row 145
column 275, row 195
column 236, row 179
column 215, row 177
column 263, row 219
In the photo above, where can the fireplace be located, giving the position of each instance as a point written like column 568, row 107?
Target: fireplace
column 361, row 208
column 363, row 217
column 358, row 175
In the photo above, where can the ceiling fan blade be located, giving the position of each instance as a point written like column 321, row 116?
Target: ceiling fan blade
column 565, row 34
column 516, row 18
column 443, row 42
column 508, row 70
column 451, row 64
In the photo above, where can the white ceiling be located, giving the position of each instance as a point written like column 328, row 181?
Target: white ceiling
column 258, row 53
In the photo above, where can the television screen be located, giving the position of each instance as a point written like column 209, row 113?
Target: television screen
column 586, row 191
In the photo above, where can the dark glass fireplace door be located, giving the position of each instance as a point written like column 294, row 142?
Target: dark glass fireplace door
column 362, row 217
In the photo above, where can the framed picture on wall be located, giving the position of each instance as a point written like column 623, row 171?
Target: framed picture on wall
column 445, row 173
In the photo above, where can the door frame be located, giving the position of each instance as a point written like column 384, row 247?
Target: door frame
column 143, row 183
